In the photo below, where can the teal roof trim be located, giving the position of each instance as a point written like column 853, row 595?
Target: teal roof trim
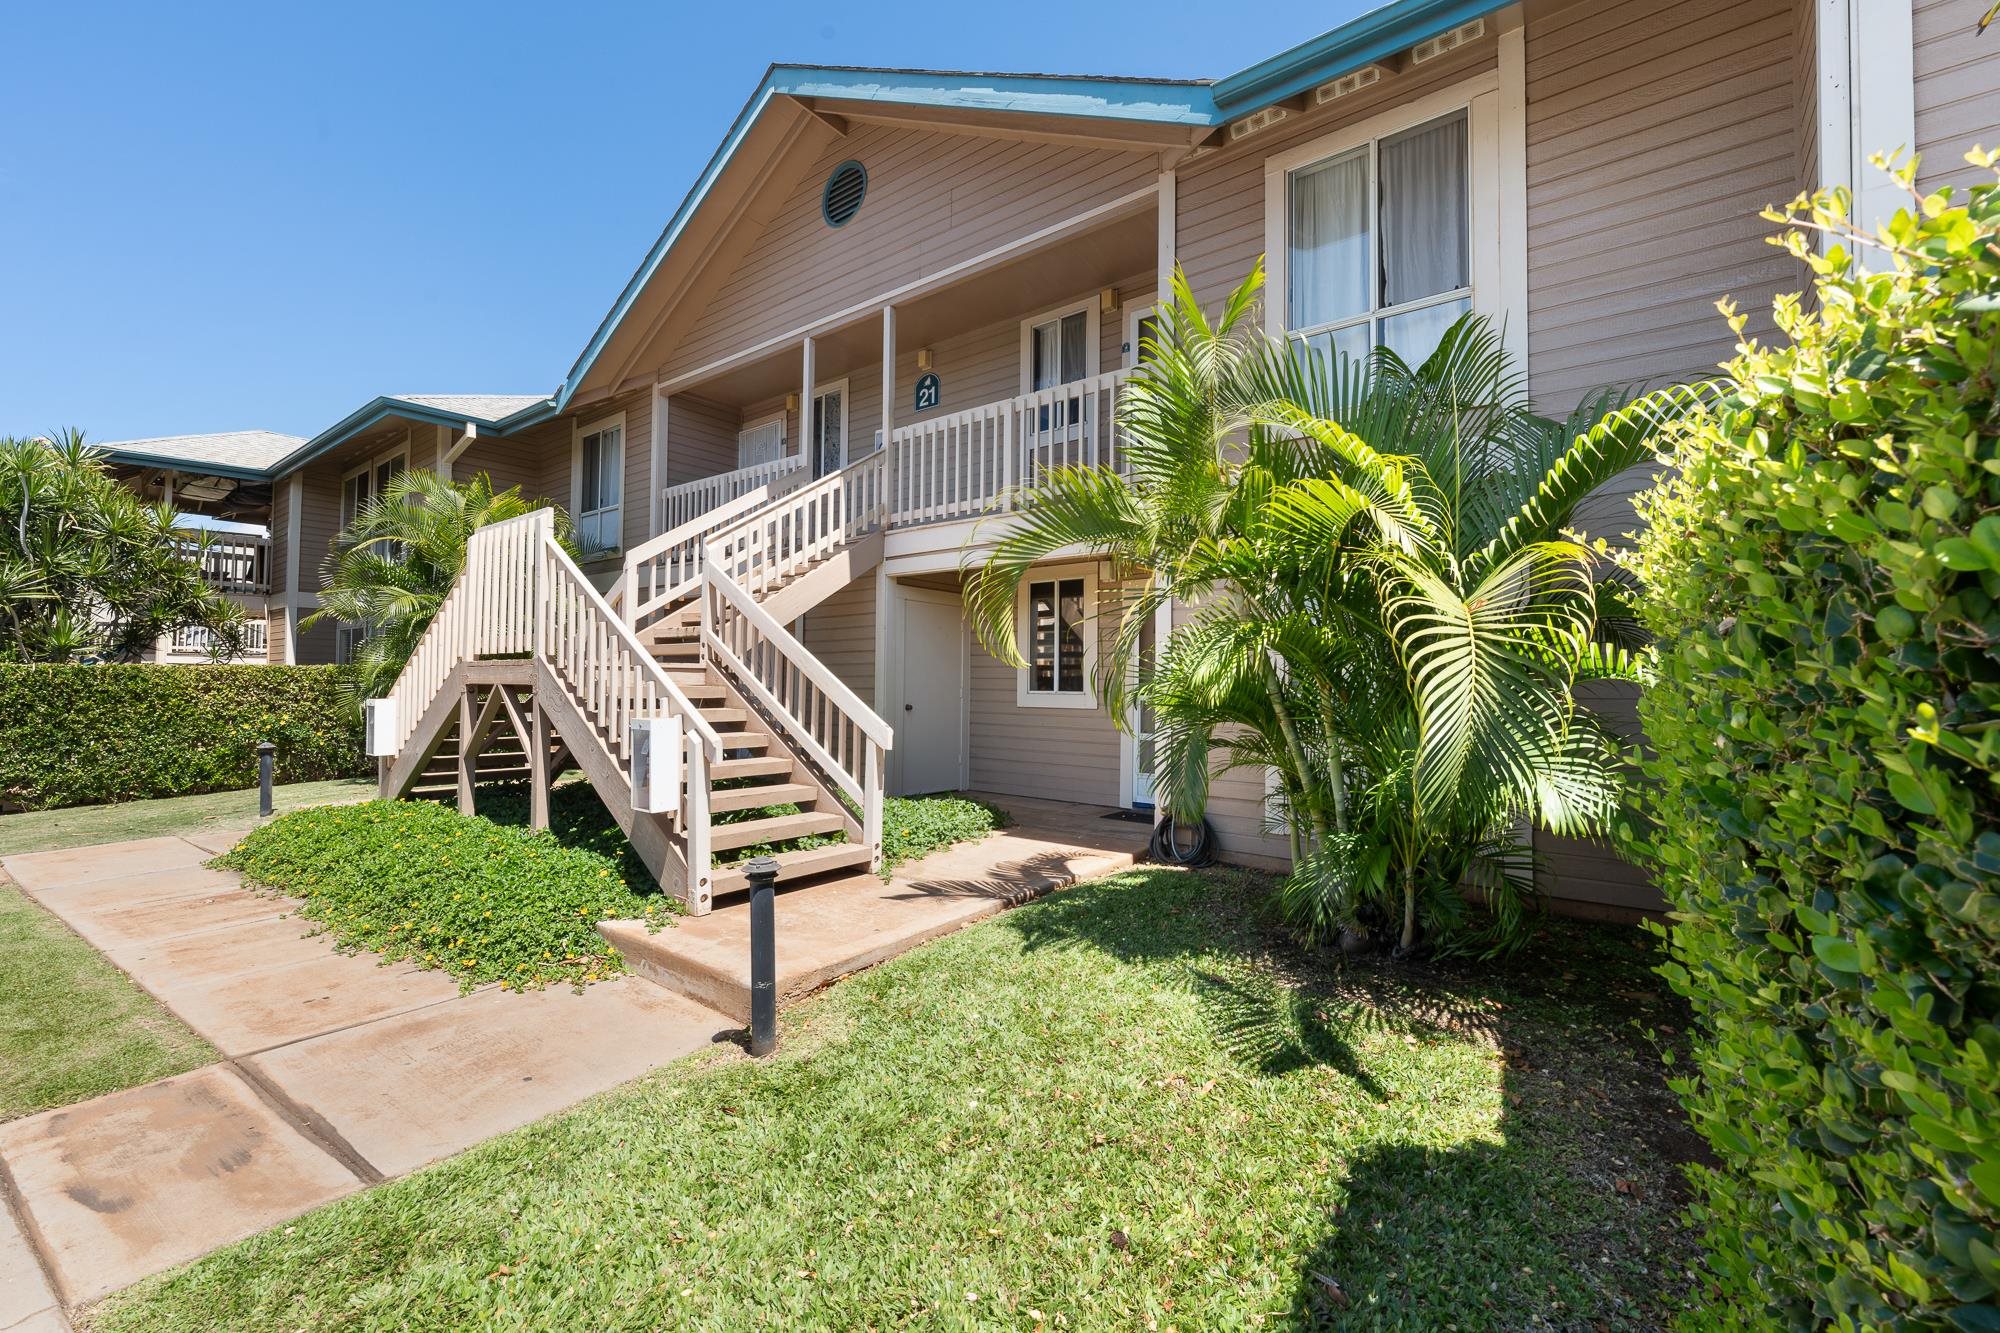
column 380, row 409
column 1374, row 35
column 191, row 466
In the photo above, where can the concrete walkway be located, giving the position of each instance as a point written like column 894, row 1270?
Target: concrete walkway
column 337, row 1073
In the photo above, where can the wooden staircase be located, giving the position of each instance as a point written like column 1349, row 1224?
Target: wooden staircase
column 526, row 671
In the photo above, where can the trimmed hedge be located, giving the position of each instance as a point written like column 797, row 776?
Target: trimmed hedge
column 83, row 735
column 1823, row 577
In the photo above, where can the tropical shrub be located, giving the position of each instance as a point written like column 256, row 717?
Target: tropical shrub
column 1388, row 614
column 1822, row 572
column 391, row 568
column 80, row 735
column 90, row 571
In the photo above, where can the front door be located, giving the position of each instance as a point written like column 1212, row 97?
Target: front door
column 1143, row 726
column 931, row 732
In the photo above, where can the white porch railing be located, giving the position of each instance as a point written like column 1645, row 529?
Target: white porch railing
column 975, row 461
column 784, row 537
column 664, row 572
column 826, row 720
column 195, row 641
column 231, row 561
column 692, row 499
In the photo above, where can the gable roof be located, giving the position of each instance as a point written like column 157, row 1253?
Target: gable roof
column 243, row 454
column 1195, row 104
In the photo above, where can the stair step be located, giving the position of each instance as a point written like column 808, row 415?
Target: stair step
column 766, row 766
column 701, row 691
column 756, row 798
column 678, row 650
column 774, row 828
column 720, row 718
column 793, row 866
column 745, row 740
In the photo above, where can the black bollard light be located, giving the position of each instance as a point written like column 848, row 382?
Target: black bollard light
column 763, row 876
column 267, row 763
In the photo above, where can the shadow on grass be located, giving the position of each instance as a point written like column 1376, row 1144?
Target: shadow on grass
column 1562, row 1211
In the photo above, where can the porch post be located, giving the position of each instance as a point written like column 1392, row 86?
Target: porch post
column 806, row 441
column 468, row 759
column 888, row 372
column 656, row 471
column 538, row 767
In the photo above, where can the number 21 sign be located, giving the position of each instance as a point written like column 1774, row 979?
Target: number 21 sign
column 928, row 393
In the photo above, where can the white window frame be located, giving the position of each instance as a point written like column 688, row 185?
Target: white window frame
column 809, row 445
column 780, row 417
column 1136, row 312
column 1023, row 635
column 1495, row 103
column 1091, row 336
column 369, row 466
column 581, row 432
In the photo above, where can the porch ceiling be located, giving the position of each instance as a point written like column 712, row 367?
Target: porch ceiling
column 1077, row 265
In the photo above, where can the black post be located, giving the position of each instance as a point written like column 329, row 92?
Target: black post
column 763, row 875
column 266, row 763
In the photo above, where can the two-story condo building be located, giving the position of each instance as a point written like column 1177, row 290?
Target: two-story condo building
column 893, row 295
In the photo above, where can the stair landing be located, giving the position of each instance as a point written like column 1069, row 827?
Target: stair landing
column 829, row 929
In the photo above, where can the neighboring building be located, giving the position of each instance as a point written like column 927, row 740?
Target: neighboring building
column 225, row 480
column 927, row 284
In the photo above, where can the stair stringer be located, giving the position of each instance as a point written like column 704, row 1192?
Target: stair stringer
column 654, row 838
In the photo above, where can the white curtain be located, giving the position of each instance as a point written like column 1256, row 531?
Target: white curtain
column 1327, row 264
column 1423, row 211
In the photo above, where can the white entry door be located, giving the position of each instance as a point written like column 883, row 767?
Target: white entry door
column 930, row 734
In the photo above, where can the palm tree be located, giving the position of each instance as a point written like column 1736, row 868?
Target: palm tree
column 1389, row 615
column 391, row 568
column 88, row 570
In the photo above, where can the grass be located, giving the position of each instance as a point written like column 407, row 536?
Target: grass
column 88, row 825
column 72, row 1026
column 1126, row 1106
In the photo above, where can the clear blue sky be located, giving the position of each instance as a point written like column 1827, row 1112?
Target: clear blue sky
column 226, row 217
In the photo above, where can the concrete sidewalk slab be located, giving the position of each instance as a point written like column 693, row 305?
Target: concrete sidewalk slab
column 244, row 1008
column 244, row 949
column 137, row 1181
column 828, row 930
column 217, row 841
column 24, row 1291
column 35, row 871
column 441, row 1079
column 152, row 910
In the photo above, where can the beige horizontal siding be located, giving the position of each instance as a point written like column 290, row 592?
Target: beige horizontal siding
column 934, row 199
column 1805, row 94
column 274, row 634
column 701, row 438
column 506, row 462
column 1656, row 133
column 840, row 632
column 281, row 532
column 1958, row 91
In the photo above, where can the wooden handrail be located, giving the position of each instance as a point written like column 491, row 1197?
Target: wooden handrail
column 689, row 501
column 827, row 720
column 674, row 559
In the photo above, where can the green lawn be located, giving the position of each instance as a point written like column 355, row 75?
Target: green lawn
column 85, row 825
column 73, row 1026
column 1126, row 1106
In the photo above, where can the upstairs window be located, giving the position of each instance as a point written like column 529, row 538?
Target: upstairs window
column 367, row 483
column 1377, row 246
column 599, row 477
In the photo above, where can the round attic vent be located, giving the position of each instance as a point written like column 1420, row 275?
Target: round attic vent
column 845, row 188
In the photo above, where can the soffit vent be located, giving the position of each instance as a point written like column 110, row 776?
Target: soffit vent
column 1365, row 77
column 1446, row 42
column 845, row 189
column 1261, row 120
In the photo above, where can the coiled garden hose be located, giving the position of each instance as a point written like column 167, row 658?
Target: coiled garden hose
column 1179, row 844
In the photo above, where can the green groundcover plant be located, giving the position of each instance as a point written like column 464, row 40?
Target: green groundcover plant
column 1822, row 569
column 483, row 901
column 84, row 735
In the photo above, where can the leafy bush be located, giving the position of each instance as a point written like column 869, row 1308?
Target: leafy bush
column 81, row 735
column 1822, row 573
column 412, row 880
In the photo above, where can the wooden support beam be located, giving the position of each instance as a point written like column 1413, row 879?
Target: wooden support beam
column 537, row 738
column 466, row 758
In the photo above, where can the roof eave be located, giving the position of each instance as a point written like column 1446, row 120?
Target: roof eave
column 138, row 458
column 1383, row 32
column 380, row 409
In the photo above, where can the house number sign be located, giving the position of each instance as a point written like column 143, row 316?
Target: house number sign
column 928, row 393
